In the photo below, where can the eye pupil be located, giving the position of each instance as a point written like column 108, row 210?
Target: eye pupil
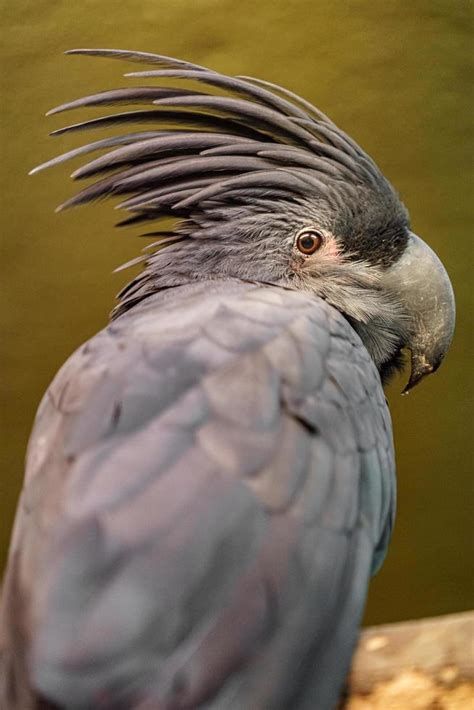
column 308, row 242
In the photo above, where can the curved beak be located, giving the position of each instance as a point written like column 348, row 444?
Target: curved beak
column 423, row 286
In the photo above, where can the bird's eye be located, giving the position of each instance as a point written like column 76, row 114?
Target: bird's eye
column 309, row 241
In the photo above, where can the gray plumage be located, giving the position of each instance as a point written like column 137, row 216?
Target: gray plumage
column 210, row 480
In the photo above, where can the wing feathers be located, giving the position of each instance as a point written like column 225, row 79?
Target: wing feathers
column 216, row 528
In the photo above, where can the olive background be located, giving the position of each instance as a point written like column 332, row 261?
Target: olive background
column 396, row 75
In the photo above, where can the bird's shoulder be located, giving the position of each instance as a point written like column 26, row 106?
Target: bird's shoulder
column 226, row 364
column 224, row 432
column 145, row 363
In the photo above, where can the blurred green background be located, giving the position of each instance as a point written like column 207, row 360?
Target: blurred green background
column 397, row 75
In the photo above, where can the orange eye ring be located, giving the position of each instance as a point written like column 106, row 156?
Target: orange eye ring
column 309, row 241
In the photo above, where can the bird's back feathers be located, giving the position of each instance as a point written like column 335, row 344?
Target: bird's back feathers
column 199, row 522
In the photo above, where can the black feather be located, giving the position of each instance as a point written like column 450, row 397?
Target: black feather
column 143, row 94
column 159, row 146
column 278, row 178
column 96, row 145
column 191, row 166
column 198, row 120
column 232, row 84
column 266, row 119
column 252, row 143
column 140, row 57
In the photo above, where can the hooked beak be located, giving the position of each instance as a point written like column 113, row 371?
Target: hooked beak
column 423, row 286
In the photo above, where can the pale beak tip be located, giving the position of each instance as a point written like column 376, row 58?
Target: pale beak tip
column 420, row 368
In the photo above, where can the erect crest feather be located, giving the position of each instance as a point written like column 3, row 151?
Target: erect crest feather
column 253, row 145
column 277, row 132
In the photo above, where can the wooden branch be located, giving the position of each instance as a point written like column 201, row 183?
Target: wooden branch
column 414, row 665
